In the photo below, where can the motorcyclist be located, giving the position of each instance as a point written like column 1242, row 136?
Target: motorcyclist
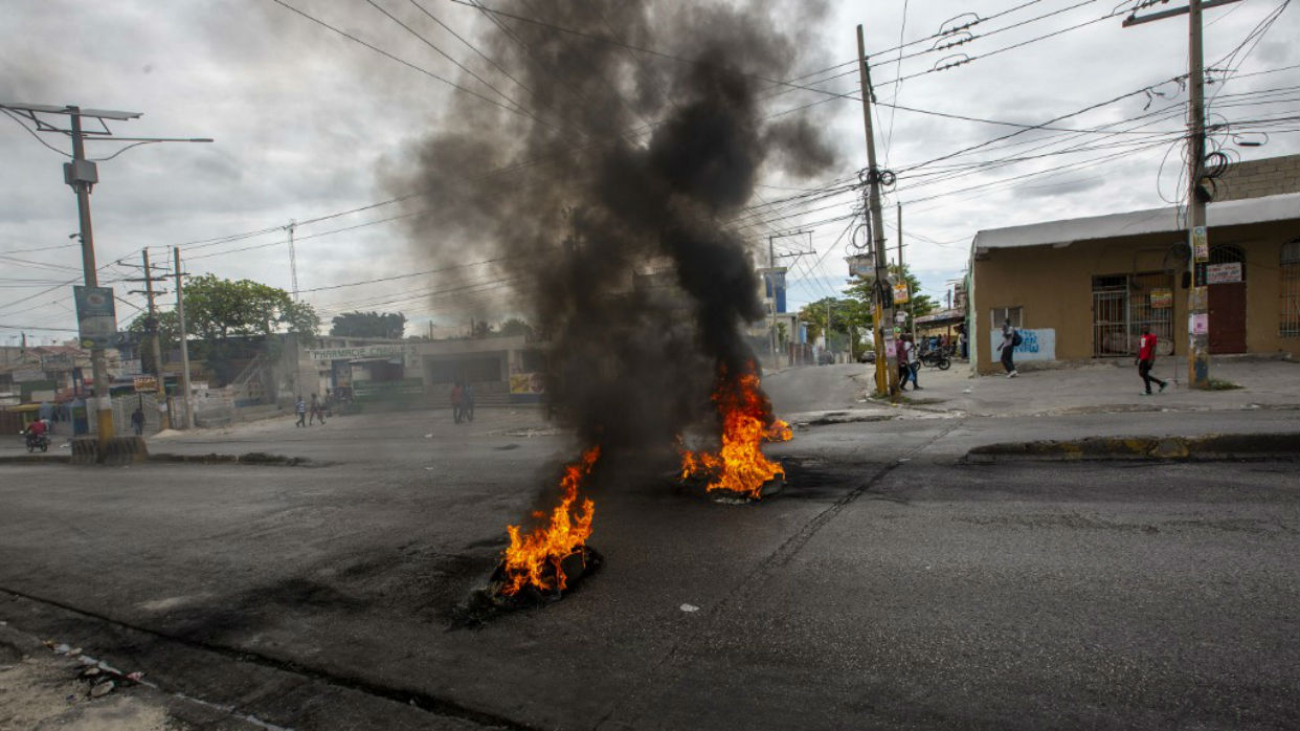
column 36, row 433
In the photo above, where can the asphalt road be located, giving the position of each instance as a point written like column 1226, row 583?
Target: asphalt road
column 888, row 587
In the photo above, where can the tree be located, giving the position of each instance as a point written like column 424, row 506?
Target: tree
column 515, row 326
column 369, row 325
column 217, row 309
column 168, row 336
column 847, row 316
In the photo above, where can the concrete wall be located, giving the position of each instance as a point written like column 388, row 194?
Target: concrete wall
column 1257, row 178
column 1054, row 285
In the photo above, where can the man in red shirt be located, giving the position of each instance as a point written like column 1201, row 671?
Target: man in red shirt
column 1147, row 359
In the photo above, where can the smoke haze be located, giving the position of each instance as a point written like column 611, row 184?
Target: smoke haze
column 621, row 170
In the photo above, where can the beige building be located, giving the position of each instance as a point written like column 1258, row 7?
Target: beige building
column 1084, row 288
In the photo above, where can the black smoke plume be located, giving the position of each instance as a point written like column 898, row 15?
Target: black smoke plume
column 606, row 201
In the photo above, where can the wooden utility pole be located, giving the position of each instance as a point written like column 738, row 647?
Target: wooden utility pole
column 1198, row 240
column 902, row 275
column 1198, row 317
column 186, row 397
column 81, row 175
column 882, row 316
column 149, row 293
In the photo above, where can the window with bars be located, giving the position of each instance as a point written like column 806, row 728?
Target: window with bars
column 1289, row 290
column 1000, row 314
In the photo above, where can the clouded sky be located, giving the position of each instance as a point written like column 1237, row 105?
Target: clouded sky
column 308, row 123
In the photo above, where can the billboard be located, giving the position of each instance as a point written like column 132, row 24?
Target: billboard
column 96, row 316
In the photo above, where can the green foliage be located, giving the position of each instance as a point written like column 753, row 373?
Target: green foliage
column 168, row 336
column 216, row 309
column 369, row 325
column 847, row 315
column 515, row 326
column 920, row 304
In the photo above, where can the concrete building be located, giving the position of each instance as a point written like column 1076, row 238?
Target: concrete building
column 1084, row 288
column 415, row 372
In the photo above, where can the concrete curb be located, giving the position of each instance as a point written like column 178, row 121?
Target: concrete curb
column 1211, row 447
column 249, row 458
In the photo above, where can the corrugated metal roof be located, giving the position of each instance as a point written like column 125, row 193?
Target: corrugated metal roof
column 1134, row 223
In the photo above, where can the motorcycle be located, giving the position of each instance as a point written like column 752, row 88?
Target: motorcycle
column 37, row 441
column 936, row 359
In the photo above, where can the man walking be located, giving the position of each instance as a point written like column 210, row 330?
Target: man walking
column 301, row 407
column 1147, row 360
column 137, row 420
column 316, row 411
column 909, row 363
column 1010, row 339
column 457, row 401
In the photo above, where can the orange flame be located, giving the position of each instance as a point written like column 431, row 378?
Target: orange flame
column 739, row 466
column 535, row 559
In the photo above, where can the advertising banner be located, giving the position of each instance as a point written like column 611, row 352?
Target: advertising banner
column 1162, row 298
column 862, row 265
column 527, row 383
column 96, row 316
column 1200, row 244
column 900, row 293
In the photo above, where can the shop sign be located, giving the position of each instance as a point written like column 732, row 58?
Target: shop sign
column 145, row 384
column 28, row 374
column 1223, row 273
column 366, row 351
column 56, row 362
column 1162, row 298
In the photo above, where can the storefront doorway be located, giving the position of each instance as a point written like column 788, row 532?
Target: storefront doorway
column 1226, row 277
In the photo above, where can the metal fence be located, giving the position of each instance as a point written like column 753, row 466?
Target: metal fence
column 1122, row 305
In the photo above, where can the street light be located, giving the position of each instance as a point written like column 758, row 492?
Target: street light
column 81, row 174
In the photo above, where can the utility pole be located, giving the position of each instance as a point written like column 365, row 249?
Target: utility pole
column 769, row 277
column 911, row 296
column 185, row 349
column 771, row 309
column 82, row 175
column 828, row 329
column 153, row 330
column 1198, row 240
column 293, row 259
column 886, row 370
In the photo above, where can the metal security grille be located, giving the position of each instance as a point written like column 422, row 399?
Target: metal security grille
column 1122, row 306
column 1289, row 290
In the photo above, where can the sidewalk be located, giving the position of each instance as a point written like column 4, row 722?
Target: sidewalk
column 1103, row 387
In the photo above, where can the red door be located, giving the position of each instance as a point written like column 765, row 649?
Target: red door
column 1228, row 318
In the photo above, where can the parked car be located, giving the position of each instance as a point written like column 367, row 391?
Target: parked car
column 867, row 356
